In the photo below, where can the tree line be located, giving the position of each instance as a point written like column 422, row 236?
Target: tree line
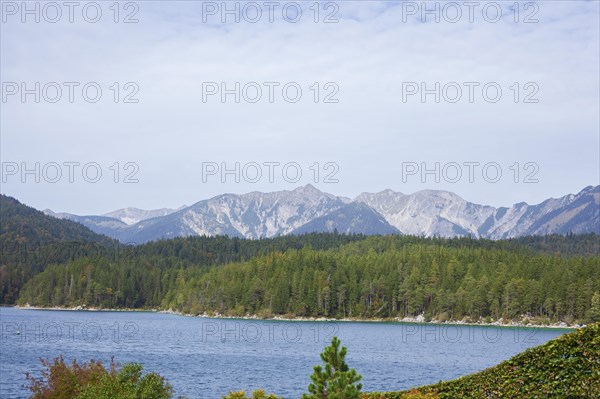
column 370, row 277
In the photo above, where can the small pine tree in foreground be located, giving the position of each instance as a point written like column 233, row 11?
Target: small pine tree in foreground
column 336, row 380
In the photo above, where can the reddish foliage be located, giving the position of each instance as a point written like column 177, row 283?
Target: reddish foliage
column 62, row 381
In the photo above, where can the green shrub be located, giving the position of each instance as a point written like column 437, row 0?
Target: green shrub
column 259, row 394
column 62, row 381
column 93, row 381
column 128, row 383
column 413, row 394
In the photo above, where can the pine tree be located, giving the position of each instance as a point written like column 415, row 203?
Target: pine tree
column 336, row 381
column 594, row 312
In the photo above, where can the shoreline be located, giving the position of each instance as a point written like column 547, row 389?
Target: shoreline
column 405, row 320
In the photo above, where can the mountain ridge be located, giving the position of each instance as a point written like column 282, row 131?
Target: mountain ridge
column 306, row 209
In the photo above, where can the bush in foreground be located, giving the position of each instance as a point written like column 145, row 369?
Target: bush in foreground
column 93, row 381
column 259, row 394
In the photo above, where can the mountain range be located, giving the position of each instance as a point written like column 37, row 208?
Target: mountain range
column 306, row 209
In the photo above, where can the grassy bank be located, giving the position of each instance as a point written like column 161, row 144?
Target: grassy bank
column 567, row 367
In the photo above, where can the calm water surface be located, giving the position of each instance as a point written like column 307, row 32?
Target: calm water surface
column 205, row 358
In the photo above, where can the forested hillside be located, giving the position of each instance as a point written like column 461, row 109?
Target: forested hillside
column 23, row 224
column 379, row 277
column 563, row 245
column 138, row 276
column 31, row 240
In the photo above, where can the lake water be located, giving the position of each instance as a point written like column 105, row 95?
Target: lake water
column 205, row 358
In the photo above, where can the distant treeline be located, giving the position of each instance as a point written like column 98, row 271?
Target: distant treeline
column 564, row 245
column 24, row 255
column 335, row 275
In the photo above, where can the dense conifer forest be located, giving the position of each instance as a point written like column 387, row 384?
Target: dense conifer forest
column 375, row 277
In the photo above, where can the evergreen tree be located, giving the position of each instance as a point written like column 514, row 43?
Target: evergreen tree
column 595, row 309
column 336, row 381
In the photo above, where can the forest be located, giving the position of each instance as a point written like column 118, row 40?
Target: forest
column 375, row 277
column 31, row 240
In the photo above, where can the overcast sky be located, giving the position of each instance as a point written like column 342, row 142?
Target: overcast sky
column 376, row 53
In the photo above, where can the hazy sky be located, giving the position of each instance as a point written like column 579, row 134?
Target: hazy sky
column 370, row 128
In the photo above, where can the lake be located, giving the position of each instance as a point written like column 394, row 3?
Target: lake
column 205, row 358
